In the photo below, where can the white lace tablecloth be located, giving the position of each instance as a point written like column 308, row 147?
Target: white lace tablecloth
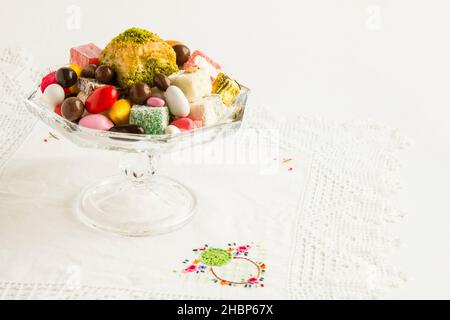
column 314, row 216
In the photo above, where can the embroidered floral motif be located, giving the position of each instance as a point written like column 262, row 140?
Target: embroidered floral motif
column 218, row 263
column 191, row 268
column 243, row 249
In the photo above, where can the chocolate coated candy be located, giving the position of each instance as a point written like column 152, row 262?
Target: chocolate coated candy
column 156, row 92
column 89, row 71
column 139, row 93
column 105, row 74
column 161, row 81
column 183, row 53
column 72, row 108
column 131, row 128
column 66, row 77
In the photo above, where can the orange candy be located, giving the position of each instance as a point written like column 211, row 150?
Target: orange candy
column 173, row 42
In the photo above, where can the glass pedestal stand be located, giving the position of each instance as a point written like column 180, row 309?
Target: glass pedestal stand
column 138, row 202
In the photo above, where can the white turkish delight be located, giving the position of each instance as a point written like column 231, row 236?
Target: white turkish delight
column 208, row 110
column 195, row 85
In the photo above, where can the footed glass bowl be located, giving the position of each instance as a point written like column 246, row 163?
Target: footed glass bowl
column 137, row 202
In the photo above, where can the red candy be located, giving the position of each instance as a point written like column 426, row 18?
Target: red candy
column 184, row 124
column 101, row 99
column 48, row 80
column 85, row 55
column 58, row 109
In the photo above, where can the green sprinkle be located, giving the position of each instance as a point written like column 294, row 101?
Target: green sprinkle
column 153, row 120
column 135, row 36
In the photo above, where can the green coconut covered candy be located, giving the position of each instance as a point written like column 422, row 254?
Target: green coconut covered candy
column 154, row 120
column 215, row 257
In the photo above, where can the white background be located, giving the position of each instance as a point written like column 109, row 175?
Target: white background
column 387, row 60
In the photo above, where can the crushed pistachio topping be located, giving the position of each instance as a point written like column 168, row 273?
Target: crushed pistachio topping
column 135, row 36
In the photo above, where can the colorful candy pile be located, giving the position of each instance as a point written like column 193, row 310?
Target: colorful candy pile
column 142, row 84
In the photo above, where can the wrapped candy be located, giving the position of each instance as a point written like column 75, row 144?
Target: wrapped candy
column 226, row 87
column 154, row 120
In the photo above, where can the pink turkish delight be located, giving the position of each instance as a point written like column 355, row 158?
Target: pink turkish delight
column 85, row 55
column 200, row 60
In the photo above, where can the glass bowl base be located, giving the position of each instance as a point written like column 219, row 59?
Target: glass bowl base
column 135, row 208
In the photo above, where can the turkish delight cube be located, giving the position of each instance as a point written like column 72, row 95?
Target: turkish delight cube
column 208, row 110
column 154, row 120
column 195, row 85
column 85, row 55
column 88, row 86
column 201, row 61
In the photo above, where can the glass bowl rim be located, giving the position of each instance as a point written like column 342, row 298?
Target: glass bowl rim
column 35, row 102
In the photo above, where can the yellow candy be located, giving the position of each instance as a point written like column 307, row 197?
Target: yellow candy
column 120, row 112
column 77, row 69
column 227, row 88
